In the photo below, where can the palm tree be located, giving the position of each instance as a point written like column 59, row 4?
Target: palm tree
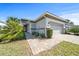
column 13, row 18
column 0, row 27
column 12, row 31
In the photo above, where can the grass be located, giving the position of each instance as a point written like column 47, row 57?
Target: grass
column 62, row 49
column 16, row 48
column 21, row 48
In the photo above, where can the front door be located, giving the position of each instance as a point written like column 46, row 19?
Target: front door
column 26, row 28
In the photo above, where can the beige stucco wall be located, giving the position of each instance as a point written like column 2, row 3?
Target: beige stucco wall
column 44, row 24
column 55, row 24
column 40, row 25
column 33, row 26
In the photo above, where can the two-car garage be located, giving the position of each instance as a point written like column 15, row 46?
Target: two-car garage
column 57, row 28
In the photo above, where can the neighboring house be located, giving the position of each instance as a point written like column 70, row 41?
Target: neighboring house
column 68, row 24
column 46, row 20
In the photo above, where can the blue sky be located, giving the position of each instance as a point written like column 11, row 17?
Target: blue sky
column 32, row 10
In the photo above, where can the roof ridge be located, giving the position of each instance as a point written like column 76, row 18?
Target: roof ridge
column 54, row 15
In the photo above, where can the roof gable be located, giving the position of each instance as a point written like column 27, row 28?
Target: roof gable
column 46, row 14
column 50, row 15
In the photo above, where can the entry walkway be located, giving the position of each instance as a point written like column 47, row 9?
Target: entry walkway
column 39, row 45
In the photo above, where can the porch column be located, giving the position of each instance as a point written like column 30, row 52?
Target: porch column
column 45, row 26
column 30, row 28
column 45, row 32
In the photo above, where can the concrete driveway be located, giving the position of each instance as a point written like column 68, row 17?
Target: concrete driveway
column 70, row 38
column 39, row 45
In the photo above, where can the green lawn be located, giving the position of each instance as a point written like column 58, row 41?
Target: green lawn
column 16, row 48
column 62, row 49
column 21, row 48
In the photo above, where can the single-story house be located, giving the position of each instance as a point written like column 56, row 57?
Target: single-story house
column 46, row 20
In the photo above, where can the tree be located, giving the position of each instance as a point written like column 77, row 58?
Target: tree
column 12, row 31
column 0, row 27
column 14, row 19
column 74, row 29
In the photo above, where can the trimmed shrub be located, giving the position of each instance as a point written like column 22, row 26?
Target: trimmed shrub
column 36, row 34
column 21, row 36
column 49, row 33
column 74, row 29
column 33, row 33
column 42, row 35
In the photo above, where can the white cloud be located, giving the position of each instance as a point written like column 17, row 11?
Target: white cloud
column 1, row 24
column 73, row 17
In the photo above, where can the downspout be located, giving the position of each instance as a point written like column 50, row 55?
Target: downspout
column 30, row 28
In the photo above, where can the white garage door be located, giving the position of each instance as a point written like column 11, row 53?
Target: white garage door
column 56, row 31
column 57, row 28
